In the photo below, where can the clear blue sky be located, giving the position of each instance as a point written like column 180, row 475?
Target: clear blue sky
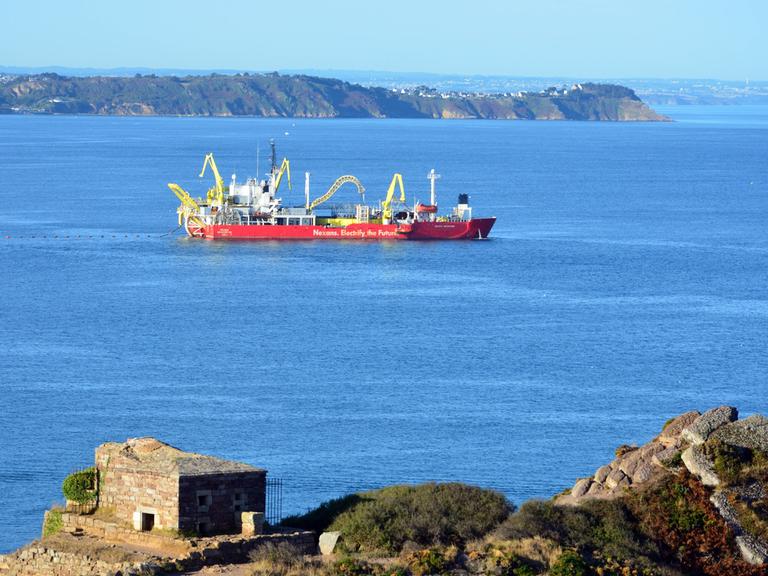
column 575, row 38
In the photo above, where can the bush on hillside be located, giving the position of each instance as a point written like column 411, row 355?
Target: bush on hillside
column 678, row 515
column 323, row 516
column 599, row 527
column 569, row 564
column 427, row 515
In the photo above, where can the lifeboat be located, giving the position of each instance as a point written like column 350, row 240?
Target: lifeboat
column 428, row 208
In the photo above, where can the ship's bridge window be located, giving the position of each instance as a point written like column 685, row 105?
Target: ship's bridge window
column 294, row 221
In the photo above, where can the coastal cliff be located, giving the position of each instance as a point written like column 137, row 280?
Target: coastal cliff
column 275, row 95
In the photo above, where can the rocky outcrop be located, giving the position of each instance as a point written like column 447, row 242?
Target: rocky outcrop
column 700, row 465
column 750, row 433
column 703, row 444
column 703, row 426
column 633, row 466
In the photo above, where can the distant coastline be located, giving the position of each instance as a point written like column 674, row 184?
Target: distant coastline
column 301, row 96
column 653, row 91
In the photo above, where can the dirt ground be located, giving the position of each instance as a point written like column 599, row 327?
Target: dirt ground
column 229, row 570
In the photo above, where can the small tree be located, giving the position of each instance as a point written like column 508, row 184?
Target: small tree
column 80, row 487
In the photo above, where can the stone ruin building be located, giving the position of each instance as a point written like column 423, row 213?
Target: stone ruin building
column 152, row 485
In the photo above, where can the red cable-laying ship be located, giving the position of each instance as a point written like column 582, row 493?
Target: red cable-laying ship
column 252, row 211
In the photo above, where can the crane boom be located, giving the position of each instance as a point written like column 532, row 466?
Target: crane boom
column 184, row 197
column 218, row 189
column 189, row 210
column 285, row 167
column 397, row 180
column 340, row 181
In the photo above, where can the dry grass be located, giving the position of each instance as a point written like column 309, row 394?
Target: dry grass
column 93, row 547
column 283, row 559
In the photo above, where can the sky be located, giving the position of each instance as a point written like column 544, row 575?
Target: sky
column 724, row 39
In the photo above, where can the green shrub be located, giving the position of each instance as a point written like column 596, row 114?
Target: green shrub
column 428, row 561
column 676, row 461
column 352, row 567
column 728, row 461
column 80, row 486
column 499, row 559
column 428, row 515
column 394, row 571
column 569, row 564
column 53, row 523
column 607, row 527
column 323, row 516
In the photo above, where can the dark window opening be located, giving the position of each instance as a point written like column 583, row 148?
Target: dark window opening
column 147, row 522
column 202, row 528
column 202, row 500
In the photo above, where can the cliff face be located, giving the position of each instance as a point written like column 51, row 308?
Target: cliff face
column 273, row 95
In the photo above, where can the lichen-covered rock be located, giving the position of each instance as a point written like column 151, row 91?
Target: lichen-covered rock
column 667, row 458
column 671, row 432
column 643, row 473
column 726, row 510
column 751, row 492
column 705, row 425
column 581, row 487
column 596, row 490
column 655, row 447
column 751, row 432
column 602, row 474
column 752, row 550
column 629, row 463
column 615, row 478
column 699, row 464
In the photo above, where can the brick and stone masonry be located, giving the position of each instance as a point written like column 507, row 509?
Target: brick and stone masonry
column 152, row 485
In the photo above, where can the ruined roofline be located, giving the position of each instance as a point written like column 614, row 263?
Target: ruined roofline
column 148, row 454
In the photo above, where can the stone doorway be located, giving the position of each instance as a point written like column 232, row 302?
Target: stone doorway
column 147, row 522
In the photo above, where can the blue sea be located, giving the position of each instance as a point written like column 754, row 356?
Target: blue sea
column 626, row 281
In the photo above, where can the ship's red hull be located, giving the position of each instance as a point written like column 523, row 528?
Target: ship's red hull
column 461, row 230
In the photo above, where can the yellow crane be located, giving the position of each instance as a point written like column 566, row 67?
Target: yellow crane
column 340, row 181
column 285, row 167
column 189, row 210
column 215, row 194
column 386, row 206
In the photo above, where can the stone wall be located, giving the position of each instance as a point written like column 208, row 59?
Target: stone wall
column 112, row 532
column 40, row 559
column 213, row 504
column 59, row 555
column 125, row 492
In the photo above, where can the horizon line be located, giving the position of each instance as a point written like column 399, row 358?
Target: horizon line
column 16, row 69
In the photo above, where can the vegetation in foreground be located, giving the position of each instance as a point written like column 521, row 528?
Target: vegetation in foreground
column 669, row 529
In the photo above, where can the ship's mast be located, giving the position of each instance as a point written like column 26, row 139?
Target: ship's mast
column 432, row 177
column 432, row 199
column 274, row 156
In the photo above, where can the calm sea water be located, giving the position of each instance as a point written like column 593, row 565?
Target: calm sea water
column 625, row 282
